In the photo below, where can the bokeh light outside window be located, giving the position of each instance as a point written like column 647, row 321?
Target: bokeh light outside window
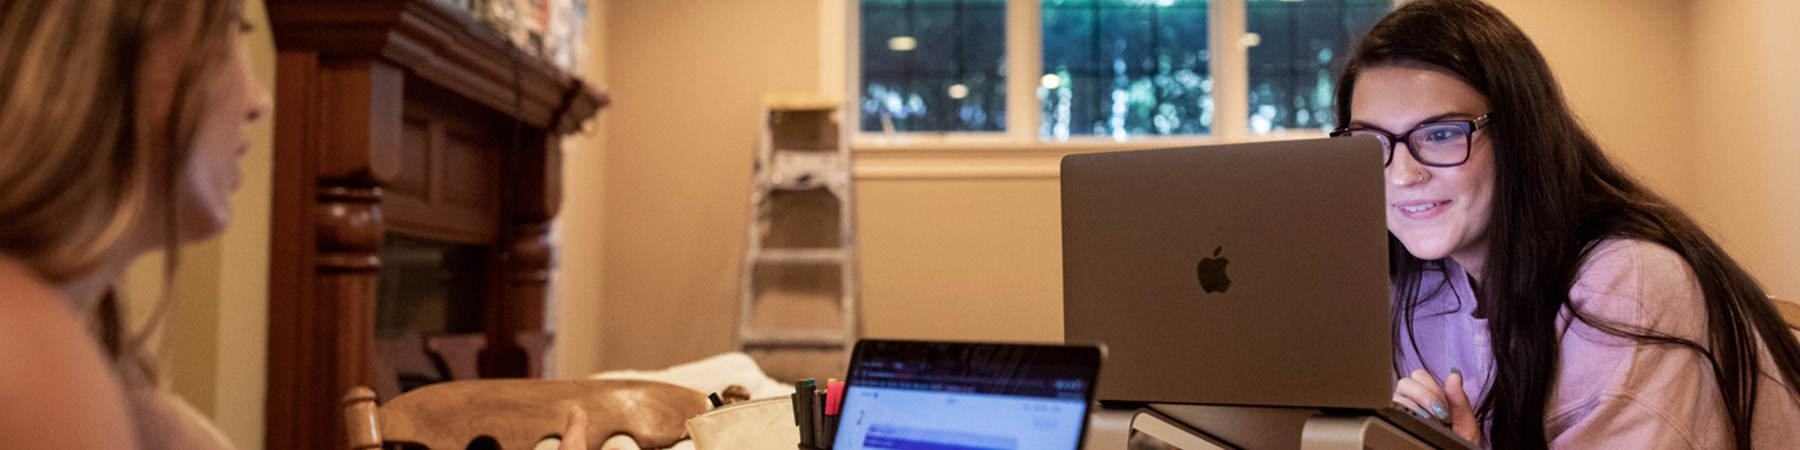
column 1303, row 46
column 933, row 65
column 1124, row 68
column 1111, row 68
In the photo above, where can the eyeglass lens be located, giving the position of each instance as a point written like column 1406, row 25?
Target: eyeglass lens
column 1438, row 144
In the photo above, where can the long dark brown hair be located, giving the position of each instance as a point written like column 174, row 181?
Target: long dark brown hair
column 1556, row 195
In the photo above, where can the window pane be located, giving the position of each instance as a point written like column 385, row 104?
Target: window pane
column 430, row 286
column 1125, row 68
column 1303, row 46
column 933, row 65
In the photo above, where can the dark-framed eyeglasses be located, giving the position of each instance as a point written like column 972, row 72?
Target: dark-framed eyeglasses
column 1435, row 144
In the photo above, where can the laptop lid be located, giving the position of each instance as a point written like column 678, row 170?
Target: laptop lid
column 1242, row 274
column 966, row 396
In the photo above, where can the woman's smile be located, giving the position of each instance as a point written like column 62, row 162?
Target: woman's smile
column 1421, row 209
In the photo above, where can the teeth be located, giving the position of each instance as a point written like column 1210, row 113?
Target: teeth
column 1418, row 208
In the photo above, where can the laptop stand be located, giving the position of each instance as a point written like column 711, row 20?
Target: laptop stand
column 1355, row 432
column 1321, row 432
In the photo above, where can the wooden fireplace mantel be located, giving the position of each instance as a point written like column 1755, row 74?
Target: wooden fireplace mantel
column 441, row 46
column 386, row 113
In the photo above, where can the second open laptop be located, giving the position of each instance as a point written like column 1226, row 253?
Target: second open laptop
column 911, row 395
column 1248, row 276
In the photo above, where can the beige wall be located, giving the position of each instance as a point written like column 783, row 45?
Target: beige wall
column 1624, row 68
column 975, row 256
column 687, row 77
column 580, row 232
column 1746, row 153
column 1696, row 97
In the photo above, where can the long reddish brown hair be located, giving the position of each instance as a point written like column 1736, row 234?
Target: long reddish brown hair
column 99, row 103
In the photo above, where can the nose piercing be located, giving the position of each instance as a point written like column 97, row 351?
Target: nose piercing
column 1419, row 177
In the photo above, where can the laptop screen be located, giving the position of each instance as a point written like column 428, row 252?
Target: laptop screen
column 966, row 396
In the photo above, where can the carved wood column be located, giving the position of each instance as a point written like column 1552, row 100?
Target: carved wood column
column 349, row 242
column 321, row 310
column 528, row 254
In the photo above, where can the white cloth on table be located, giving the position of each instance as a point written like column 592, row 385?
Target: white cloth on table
column 711, row 375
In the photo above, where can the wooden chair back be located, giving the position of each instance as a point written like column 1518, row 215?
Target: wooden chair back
column 517, row 413
column 443, row 357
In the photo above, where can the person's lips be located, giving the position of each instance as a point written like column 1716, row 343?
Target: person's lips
column 1421, row 209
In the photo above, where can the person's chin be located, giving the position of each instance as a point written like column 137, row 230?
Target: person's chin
column 206, row 226
column 1425, row 248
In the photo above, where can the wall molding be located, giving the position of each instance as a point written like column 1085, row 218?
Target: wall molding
column 982, row 159
column 888, row 171
column 977, row 161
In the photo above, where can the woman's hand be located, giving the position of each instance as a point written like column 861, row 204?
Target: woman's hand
column 574, row 435
column 1448, row 404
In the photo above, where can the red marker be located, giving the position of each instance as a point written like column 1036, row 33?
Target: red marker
column 834, row 396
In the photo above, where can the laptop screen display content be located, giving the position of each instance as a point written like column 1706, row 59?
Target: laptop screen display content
column 943, row 396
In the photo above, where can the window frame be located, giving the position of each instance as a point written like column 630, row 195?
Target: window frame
column 1230, row 71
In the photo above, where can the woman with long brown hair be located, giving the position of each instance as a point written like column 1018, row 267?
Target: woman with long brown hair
column 1542, row 297
column 120, row 130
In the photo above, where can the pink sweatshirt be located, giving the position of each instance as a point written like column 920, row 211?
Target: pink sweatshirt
column 1611, row 392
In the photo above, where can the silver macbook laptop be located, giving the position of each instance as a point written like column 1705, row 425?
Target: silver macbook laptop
column 1242, row 275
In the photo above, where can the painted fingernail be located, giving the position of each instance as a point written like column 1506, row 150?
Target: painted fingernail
column 1454, row 371
column 1421, row 412
column 1442, row 413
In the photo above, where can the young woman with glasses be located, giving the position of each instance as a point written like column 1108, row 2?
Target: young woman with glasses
column 1542, row 297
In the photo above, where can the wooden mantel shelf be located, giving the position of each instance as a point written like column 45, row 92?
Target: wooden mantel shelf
column 440, row 45
column 401, row 116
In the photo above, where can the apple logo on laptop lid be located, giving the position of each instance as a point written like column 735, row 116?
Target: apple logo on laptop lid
column 1212, row 272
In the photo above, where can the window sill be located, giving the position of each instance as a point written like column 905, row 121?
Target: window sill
column 996, row 156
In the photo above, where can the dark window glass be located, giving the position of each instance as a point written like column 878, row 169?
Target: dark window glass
column 933, row 65
column 428, row 286
column 1301, row 46
column 1125, row 68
